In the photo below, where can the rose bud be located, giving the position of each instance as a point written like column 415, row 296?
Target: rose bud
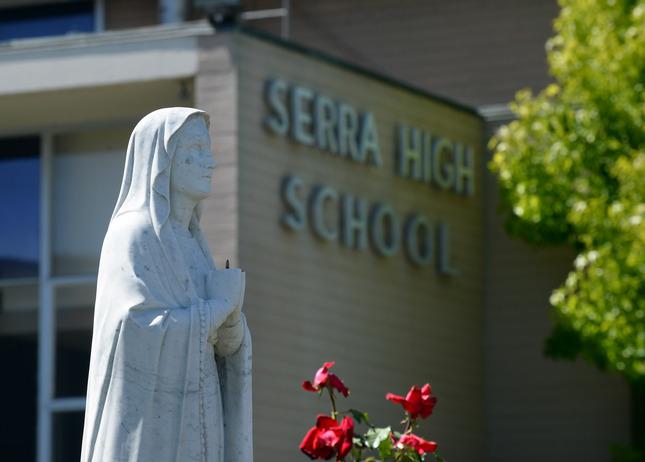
column 418, row 401
column 417, row 443
column 324, row 378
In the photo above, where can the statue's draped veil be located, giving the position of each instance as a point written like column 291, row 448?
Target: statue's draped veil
column 146, row 181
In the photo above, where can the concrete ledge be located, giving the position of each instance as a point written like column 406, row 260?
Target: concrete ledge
column 85, row 60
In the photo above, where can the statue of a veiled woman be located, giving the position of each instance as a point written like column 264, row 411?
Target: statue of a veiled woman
column 170, row 370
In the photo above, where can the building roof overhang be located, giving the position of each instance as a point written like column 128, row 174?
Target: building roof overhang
column 97, row 59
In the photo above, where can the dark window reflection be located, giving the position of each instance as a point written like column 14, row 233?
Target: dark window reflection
column 19, row 206
column 18, row 355
column 67, row 436
column 45, row 20
column 72, row 362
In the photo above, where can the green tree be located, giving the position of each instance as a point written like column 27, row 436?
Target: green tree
column 571, row 169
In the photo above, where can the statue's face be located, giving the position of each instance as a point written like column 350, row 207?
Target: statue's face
column 193, row 163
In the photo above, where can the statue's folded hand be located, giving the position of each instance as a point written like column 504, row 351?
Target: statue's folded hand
column 229, row 337
column 227, row 287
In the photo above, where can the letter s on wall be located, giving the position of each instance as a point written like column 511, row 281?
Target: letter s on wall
column 294, row 217
column 275, row 92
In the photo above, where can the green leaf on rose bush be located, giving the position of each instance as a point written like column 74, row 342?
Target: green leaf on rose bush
column 385, row 448
column 357, row 449
column 360, row 416
column 410, row 457
column 375, row 436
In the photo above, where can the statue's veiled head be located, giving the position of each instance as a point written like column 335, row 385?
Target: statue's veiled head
column 169, row 150
column 192, row 163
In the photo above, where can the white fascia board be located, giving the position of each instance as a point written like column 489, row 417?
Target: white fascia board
column 85, row 60
column 496, row 112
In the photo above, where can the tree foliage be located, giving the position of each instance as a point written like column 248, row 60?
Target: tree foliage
column 571, row 170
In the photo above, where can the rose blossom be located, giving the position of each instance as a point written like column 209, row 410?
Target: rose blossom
column 417, row 443
column 418, row 401
column 328, row 438
column 324, row 378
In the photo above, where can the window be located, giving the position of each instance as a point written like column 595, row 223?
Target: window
column 19, row 261
column 48, row 264
column 46, row 20
column 19, row 207
column 87, row 168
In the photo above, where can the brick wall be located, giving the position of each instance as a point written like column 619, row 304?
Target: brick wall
column 537, row 408
column 387, row 323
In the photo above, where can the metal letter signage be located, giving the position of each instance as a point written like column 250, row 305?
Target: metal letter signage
column 337, row 128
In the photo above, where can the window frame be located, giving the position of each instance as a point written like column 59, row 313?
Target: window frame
column 48, row 404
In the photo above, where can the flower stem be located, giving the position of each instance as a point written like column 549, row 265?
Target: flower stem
column 398, row 457
column 334, row 413
column 409, row 424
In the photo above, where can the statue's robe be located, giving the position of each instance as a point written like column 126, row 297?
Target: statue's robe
column 156, row 390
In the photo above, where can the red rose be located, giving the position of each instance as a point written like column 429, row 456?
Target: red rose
column 418, row 401
column 324, row 378
column 328, row 438
column 418, row 444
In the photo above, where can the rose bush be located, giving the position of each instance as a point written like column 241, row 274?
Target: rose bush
column 328, row 438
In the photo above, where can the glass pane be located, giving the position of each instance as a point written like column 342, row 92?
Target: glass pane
column 67, row 436
column 87, row 172
column 74, row 312
column 18, row 309
column 19, row 206
column 18, row 356
column 46, row 20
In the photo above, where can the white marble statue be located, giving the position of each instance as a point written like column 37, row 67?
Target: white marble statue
column 170, row 371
